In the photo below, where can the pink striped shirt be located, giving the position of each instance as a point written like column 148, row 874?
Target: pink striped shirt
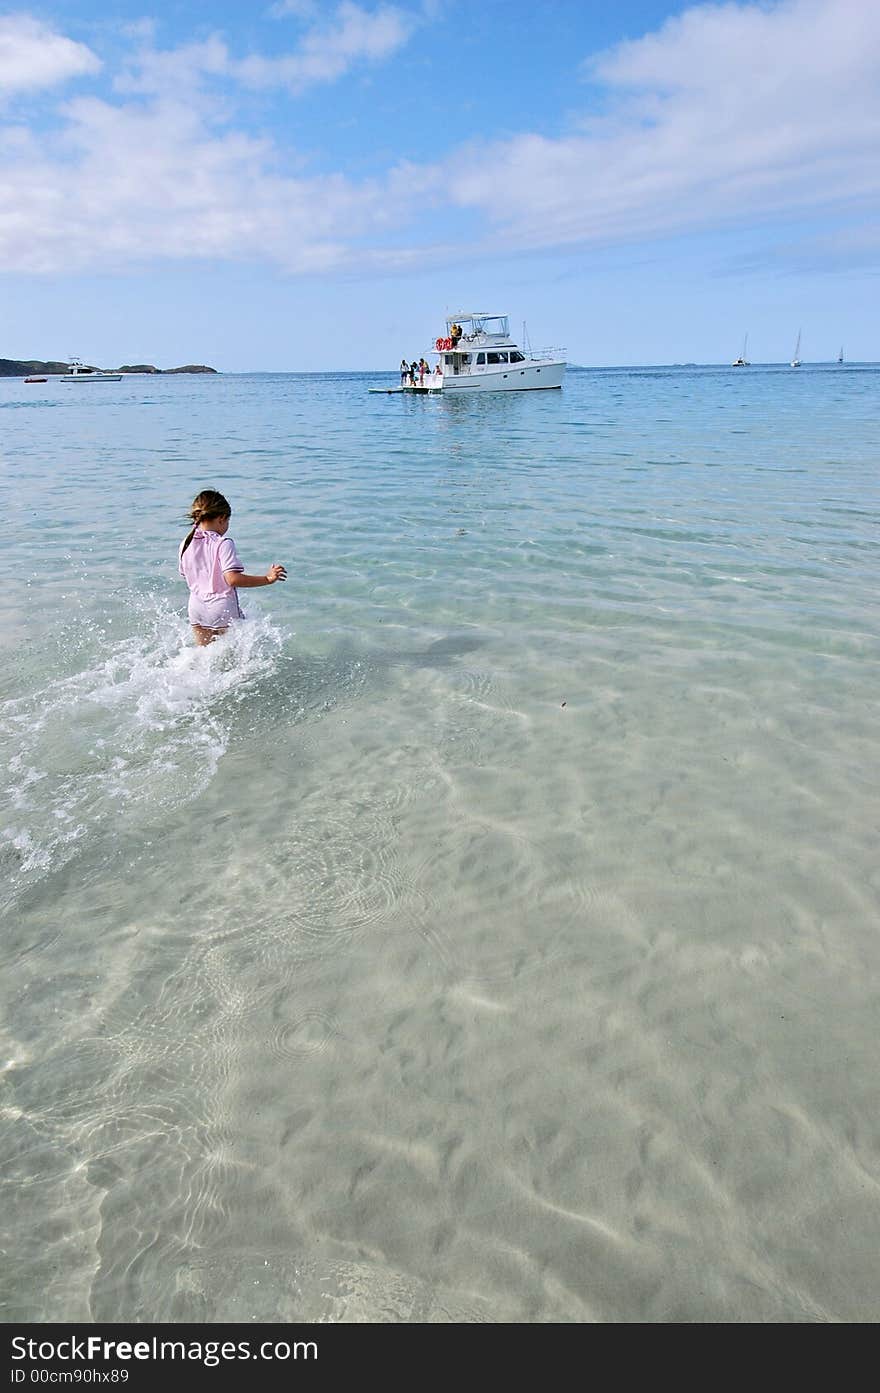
column 203, row 563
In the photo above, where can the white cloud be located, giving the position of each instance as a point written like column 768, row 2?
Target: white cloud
column 726, row 116
column 300, row 9
column 161, row 174
column 727, row 113
column 174, row 71
column 149, row 182
column 32, row 55
column 327, row 52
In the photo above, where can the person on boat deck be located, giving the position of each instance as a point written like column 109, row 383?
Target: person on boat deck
column 438, row 373
column 413, row 369
column 455, row 334
column 404, row 371
column 423, row 368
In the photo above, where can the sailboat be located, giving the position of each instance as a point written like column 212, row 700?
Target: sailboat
column 840, row 354
column 796, row 360
column 742, row 361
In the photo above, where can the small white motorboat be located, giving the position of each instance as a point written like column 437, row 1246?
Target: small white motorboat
column 79, row 373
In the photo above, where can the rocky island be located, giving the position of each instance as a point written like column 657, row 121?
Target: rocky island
column 16, row 367
column 148, row 367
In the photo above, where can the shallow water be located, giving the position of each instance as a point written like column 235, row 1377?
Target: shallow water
column 488, row 929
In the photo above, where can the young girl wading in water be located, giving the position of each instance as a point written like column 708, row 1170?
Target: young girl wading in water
column 210, row 566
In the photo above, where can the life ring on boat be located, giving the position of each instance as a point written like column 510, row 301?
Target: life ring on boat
column 438, row 344
column 447, row 344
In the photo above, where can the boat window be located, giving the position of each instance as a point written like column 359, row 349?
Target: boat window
column 481, row 358
column 493, row 324
column 496, row 357
column 465, row 358
column 517, row 357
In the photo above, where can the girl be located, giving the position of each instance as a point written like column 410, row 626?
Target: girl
column 210, row 566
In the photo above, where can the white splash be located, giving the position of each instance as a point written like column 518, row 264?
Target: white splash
column 146, row 724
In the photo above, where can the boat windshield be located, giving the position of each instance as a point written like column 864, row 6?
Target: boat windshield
column 495, row 325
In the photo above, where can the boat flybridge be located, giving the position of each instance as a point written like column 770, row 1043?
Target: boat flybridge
column 477, row 354
column 78, row 373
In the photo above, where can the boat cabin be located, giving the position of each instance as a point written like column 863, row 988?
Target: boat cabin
column 458, row 361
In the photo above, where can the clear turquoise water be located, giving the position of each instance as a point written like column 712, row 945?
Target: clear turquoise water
column 486, row 930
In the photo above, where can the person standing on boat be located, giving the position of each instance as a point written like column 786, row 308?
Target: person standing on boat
column 423, row 368
column 404, row 371
column 413, row 369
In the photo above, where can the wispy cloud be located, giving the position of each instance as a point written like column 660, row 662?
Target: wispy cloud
column 329, row 50
column 161, row 173
column 855, row 249
column 145, row 182
column 34, row 56
column 177, row 71
column 300, row 9
column 728, row 115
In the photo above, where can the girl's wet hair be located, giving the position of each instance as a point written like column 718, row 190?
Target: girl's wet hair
column 206, row 506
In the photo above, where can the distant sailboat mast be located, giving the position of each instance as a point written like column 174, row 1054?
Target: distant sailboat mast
column 796, row 360
column 743, row 360
column 840, row 354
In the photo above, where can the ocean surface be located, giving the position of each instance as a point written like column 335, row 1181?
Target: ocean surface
column 487, row 930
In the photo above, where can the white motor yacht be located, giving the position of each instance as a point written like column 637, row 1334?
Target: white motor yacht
column 78, row 373
column 477, row 354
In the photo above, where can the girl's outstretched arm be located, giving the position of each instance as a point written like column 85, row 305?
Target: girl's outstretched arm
column 238, row 578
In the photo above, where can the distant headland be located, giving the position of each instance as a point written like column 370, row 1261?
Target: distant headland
column 14, row 367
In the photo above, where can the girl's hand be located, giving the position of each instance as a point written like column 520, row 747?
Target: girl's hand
column 276, row 573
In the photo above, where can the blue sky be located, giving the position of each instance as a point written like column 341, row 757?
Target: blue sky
column 304, row 186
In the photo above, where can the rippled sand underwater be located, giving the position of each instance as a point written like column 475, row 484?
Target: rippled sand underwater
column 488, row 929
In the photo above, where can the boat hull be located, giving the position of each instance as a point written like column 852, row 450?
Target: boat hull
column 92, row 377
column 414, row 391
column 533, row 377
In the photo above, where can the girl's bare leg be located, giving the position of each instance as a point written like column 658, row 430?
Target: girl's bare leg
column 205, row 636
